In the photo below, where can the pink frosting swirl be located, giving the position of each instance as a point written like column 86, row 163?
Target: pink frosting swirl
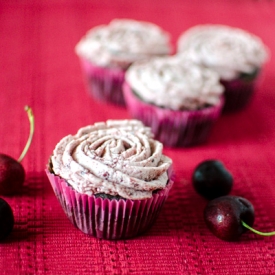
column 175, row 83
column 227, row 50
column 119, row 157
column 122, row 42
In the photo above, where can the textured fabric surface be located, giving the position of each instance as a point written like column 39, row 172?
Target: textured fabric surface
column 39, row 68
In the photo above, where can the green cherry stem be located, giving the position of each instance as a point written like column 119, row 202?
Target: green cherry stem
column 256, row 231
column 31, row 120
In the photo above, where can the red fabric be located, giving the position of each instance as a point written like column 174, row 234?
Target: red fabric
column 39, row 68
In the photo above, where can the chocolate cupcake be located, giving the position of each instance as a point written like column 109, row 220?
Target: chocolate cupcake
column 177, row 98
column 236, row 55
column 111, row 178
column 106, row 52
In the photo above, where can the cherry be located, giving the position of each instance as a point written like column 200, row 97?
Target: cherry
column 12, row 173
column 211, row 179
column 225, row 216
column 6, row 219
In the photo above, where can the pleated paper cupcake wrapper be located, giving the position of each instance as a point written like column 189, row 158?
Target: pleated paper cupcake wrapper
column 173, row 128
column 106, row 218
column 238, row 94
column 104, row 84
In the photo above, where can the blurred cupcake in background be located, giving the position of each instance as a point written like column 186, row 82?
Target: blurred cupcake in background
column 236, row 55
column 106, row 52
column 178, row 99
column 111, row 178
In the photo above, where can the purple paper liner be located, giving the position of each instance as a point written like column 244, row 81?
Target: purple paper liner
column 238, row 93
column 104, row 84
column 173, row 128
column 106, row 218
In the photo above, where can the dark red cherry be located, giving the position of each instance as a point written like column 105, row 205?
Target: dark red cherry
column 6, row 219
column 12, row 175
column 224, row 215
column 211, row 179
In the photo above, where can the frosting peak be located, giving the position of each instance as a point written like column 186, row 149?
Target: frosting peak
column 119, row 157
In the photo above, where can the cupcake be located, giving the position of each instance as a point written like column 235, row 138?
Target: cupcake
column 177, row 98
column 238, row 57
column 106, row 52
column 111, row 178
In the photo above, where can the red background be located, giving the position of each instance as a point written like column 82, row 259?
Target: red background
column 39, row 68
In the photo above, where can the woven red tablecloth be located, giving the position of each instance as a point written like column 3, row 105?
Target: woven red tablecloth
column 39, row 68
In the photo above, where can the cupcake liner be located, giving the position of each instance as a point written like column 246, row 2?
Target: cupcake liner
column 238, row 93
column 108, row 218
column 173, row 128
column 104, row 84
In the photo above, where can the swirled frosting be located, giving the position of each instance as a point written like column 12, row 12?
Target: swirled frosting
column 174, row 83
column 122, row 42
column 229, row 51
column 119, row 157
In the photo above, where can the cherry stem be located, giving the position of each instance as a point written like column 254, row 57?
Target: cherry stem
column 256, row 231
column 31, row 120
